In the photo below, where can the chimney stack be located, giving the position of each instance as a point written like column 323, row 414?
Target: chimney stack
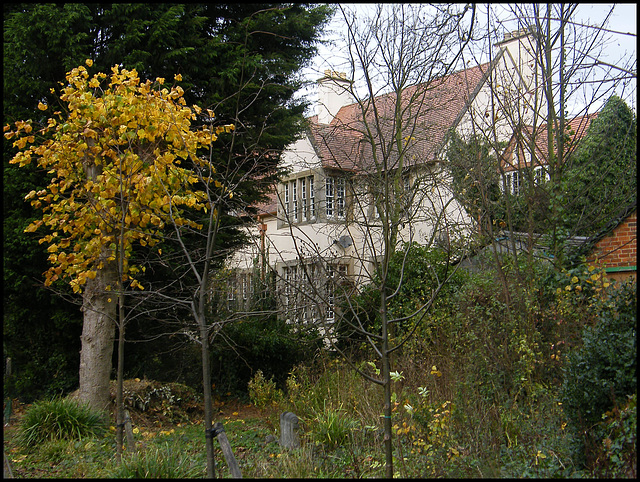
column 333, row 94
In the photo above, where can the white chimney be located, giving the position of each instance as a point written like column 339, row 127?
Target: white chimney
column 333, row 94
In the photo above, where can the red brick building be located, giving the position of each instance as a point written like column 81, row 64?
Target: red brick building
column 616, row 249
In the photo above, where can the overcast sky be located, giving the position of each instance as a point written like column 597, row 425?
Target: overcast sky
column 621, row 39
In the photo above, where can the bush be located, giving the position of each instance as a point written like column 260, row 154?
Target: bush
column 263, row 392
column 59, row 419
column 602, row 372
column 332, row 427
column 600, row 375
column 265, row 343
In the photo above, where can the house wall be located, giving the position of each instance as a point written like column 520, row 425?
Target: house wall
column 617, row 251
column 320, row 238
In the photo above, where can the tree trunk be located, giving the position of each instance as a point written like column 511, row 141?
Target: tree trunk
column 208, row 402
column 386, row 377
column 98, row 332
column 120, row 416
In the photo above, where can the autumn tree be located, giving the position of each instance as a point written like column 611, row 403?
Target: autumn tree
column 114, row 159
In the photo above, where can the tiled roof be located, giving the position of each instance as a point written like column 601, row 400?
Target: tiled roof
column 576, row 128
column 427, row 113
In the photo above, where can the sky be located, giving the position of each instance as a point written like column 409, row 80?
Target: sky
column 621, row 41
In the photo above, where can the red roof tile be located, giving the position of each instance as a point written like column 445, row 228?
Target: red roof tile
column 427, row 112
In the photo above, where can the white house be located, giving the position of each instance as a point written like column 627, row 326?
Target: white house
column 323, row 231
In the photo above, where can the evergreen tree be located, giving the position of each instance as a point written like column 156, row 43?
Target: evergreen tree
column 602, row 177
column 240, row 60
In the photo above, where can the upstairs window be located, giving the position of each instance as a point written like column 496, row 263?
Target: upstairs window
column 298, row 200
column 335, row 197
column 515, row 180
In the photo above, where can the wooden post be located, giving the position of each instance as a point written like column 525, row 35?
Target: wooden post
column 219, row 433
column 131, row 443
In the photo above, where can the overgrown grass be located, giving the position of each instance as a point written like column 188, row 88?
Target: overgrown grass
column 480, row 397
column 59, row 419
column 158, row 463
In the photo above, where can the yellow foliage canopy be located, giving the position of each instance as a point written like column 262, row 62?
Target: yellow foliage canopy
column 115, row 166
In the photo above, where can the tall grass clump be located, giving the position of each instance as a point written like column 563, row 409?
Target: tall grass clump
column 158, row 463
column 59, row 419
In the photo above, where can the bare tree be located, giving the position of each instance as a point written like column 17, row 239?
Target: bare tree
column 536, row 126
column 378, row 187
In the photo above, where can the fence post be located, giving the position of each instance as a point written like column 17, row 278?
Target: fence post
column 131, row 443
column 219, row 433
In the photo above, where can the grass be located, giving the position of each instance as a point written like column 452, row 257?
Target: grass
column 434, row 439
column 59, row 419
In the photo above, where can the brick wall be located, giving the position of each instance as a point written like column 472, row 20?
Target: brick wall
column 617, row 251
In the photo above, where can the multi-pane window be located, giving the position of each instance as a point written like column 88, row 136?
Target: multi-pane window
column 231, row 295
column 298, row 200
column 303, row 198
column 335, row 273
column 540, row 175
column 335, row 197
column 286, row 200
column 309, row 289
column 515, row 180
column 329, row 196
column 294, row 198
column 239, row 290
column 312, row 199
column 340, row 197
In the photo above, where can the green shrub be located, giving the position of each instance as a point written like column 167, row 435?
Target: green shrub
column 157, row 463
column 600, row 375
column 266, row 343
column 619, row 436
column 602, row 372
column 263, row 392
column 59, row 419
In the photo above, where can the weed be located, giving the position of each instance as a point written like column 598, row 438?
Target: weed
column 332, row 427
column 263, row 392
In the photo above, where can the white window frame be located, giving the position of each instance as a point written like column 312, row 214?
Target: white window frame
column 513, row 180
column 303, row 198
column 286, row 200
column 329, row 188
column 341, row 190
column 294, row 198
column 312, row 200
column 335, row 197
column 540, row 175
